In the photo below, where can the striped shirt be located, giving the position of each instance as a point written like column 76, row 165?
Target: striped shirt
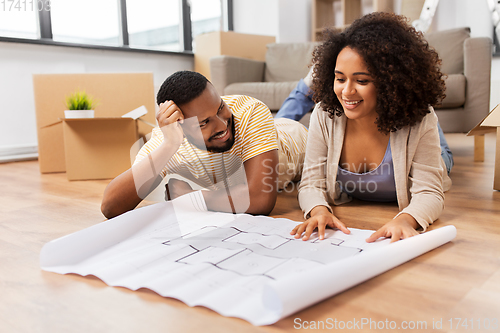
column 255, row 132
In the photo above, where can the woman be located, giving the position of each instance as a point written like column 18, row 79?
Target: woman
column 374, row 133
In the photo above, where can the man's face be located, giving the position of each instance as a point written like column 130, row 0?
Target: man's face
column 215, row 120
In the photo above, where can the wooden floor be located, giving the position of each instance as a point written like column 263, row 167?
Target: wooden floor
column 458, row 280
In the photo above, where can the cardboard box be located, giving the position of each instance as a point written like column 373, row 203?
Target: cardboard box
column 98, row 148
column 228, row 43
column 491, row 123
column 116, row 94
column 101, row 148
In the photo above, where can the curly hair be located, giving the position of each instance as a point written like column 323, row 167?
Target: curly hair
column 405, row 69
column 181, row 87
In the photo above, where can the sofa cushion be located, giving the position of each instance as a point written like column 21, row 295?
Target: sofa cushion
column 273, row 94
column 449, row 44
column 455, row 91
column 288, row 61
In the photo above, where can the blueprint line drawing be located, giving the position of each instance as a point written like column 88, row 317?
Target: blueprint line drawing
column 254, row 253
column 235, row 264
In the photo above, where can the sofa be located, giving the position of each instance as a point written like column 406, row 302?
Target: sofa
column 270, row 81
column 466, row 61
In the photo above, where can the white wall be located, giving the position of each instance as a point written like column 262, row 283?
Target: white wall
column 288, row 20
column 19, row 61
column 464, row 13
column 259, row 17
column 294, row 21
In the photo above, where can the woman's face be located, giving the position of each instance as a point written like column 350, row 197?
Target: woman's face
column 354, row 85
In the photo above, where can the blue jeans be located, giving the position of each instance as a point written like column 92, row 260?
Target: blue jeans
column 299, row 102
column 445, row 150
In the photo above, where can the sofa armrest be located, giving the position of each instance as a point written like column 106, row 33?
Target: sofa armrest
column 225, row 70
column 477, row 71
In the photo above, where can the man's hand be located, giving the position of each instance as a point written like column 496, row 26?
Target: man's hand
column 127, row 190
column 401, row 227
column 176, row 188
column 169, row 118
column 320, row 218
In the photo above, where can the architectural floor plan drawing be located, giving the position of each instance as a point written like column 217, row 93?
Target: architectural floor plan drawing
column 273, row 253
column 236, row 264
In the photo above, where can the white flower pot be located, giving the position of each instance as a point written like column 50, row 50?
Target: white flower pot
column 72, row 114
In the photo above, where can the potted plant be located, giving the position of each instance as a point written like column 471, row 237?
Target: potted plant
column 79, row 105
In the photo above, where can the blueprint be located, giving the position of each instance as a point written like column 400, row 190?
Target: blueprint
column 236, row 264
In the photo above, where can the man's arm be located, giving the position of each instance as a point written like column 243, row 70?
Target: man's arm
column 127, row 190
column 256, row 196
column 262, row 177
column 260, row 155
column 261, row 188
column 120, row 195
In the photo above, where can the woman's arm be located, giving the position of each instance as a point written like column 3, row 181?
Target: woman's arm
column 313, row 184
column 425, row 179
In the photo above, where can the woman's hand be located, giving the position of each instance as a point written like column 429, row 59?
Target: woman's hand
column 320, row 219
column 401, row 227
column 169, row 118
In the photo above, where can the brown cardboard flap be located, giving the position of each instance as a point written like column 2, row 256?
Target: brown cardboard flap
column 98, row 148
column 51, row 153
column 493, row 118
column 72, row 119
column 488, row 124
column 148, row 124
column 481, row 130
column 52, row 124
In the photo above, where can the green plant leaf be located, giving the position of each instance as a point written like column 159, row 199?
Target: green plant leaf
column 79, row 100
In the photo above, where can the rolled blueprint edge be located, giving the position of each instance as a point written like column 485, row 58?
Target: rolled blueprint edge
column 289, row 295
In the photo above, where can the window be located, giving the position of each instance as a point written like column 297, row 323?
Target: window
column 206, row 16
column 154, row 24
column 18, row 19
column 164, row 25
column 85, row 22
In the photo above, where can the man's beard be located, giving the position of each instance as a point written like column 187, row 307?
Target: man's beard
column 218, row 149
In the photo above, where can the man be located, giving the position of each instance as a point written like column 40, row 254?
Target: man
column 213, row 141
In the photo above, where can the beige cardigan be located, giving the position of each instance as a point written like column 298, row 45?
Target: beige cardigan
column 419, row 171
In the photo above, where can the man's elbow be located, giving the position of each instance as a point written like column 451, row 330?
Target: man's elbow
column 106, row 210
column 268, row 208
column 262, row 204
column 109, row 210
